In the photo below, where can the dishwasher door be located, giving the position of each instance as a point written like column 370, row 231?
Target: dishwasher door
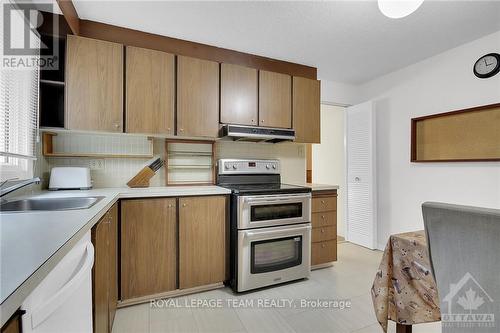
column 62, row 302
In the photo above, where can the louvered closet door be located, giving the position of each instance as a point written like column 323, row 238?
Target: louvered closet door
column 361, row 200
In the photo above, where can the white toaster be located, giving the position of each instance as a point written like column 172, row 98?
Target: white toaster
column 70, row 178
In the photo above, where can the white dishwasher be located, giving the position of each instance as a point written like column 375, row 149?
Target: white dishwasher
column 63, row 300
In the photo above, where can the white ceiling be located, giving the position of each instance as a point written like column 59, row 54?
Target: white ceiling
column 349, row 41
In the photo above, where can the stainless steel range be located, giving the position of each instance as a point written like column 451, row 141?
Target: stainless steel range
column 270, row 224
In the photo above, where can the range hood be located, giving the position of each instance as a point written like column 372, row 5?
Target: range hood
column 257, row 134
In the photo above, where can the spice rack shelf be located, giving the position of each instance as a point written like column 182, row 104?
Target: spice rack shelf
column 189, row 162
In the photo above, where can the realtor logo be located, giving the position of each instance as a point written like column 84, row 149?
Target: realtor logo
column 21, row 47
column 466, row 303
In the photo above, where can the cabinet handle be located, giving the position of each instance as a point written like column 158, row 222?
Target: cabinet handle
column 322, row 231
column 323, row 246
column 262, row 121
column 184, row 205
column 253, row 121
column 117, row 126
column 169, row 205
column 168, row 129
column 181, row 129
column 323, row 217
column 323, row 202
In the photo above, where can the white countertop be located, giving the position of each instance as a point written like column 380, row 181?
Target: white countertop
column 320, row 187
column 32, row 243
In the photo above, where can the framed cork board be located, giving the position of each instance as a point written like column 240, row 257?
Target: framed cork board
column 458, row 136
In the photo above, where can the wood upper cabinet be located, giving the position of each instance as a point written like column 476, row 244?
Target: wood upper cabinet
column 14, row 324
column 150, row 86
column 94, row 85
column 202, row 241
column 197, row 97
column 275, row 99
column 306, row 110
column 148, row 247
column 238, row 95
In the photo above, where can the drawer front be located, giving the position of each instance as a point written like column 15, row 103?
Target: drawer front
column 323, row 252
column 324, row 219
column 323, row 233
column 323, row 204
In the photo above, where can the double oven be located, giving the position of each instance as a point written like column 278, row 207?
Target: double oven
column 270, row 225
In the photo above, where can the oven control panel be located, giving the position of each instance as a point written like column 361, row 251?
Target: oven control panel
column 235, row 166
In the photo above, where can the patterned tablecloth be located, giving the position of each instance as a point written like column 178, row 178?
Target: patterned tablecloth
column 404, row 290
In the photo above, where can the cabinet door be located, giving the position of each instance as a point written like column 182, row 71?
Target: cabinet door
column 238, row 95
column 202, row 241
column 148, row 247
column 113, row 263
column 149, row 91
column 94, row 85
column 197, row 97
column 275, row 99
column 14, row 324
column 100, row 272
column 306, row 110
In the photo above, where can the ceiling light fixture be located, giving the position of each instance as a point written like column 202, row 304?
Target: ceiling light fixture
column 398, row 8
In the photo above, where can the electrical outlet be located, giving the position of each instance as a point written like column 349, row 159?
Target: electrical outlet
column 97, row 164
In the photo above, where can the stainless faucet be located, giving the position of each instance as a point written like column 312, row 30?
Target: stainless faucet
column 6, row 188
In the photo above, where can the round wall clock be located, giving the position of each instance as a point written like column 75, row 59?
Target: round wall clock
column 487, row 66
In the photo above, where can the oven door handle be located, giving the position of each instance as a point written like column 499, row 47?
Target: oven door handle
column 279, row 231
column 275, row 200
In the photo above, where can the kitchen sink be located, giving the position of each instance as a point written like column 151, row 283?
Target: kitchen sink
column 67, row 203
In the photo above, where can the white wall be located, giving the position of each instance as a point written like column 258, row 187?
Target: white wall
column 291, row 156
column 439, row 84
column 338, row 93
column 117, row 171
column 328, row 157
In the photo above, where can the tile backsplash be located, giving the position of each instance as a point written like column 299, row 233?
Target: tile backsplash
column 115, row 172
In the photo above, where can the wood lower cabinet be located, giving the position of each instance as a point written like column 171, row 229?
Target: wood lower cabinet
column 197, row 97
column 113, row 264
column 321, row 203
column 148, row 247
column 104, row 272
column 94, row 85
column 323, row 252
column 306, row 110
column 324, row 227
column 238, row 95
column 202, row 241
column 149, row 94
column 275, row 100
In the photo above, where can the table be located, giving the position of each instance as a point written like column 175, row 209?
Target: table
column 404, row 289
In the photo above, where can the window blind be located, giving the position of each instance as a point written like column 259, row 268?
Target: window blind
column 18, row 104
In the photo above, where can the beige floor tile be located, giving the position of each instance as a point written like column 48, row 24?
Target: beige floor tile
column 172, row 320
column 375, row 328
column 316, row 321
column 133, row 319
column 218, row 320
column 263, row 321
column 350, row 278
